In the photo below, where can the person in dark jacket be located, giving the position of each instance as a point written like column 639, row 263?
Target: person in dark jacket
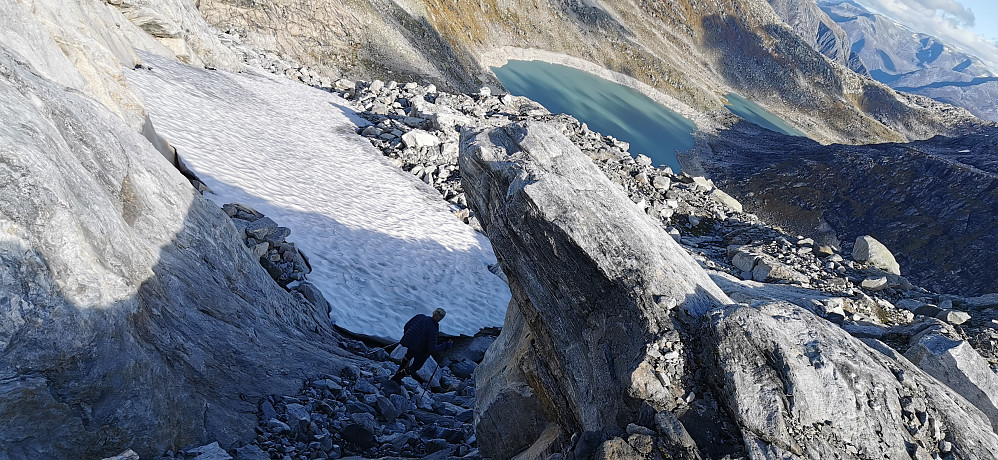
column 419, row 340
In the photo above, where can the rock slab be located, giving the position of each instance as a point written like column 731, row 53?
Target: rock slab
column 612, row 328
column 575, row 318
column 131, row 315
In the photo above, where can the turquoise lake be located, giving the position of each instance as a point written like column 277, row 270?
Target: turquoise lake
column 607, row 107
column 616, row 110
column 754, row 113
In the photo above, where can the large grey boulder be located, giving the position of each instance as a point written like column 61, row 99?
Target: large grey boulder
column 597, row 281
column 959, row 366
column 179, row 26
column 612, row 326
column 807, row 387
column 131, row 316
column 868, row 249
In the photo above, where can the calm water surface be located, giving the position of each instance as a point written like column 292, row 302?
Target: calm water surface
column 754, row 113
column 607, row 107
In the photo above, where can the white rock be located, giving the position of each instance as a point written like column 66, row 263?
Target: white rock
column 702, row 183
column 835, row 306
column 662, row 183
column 953, row 316
column 726, row 200
column 875, row 283
column 868, row 249
column 344, row 85
column 126, row 455
column 744, row 260
column 260, row 249
column 959, row 366
column 770, row 269
column 674, row 233
column 418, row 138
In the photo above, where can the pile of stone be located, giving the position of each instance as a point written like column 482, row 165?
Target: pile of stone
column 277, row 62
column 419, row 128
column 268, row 242
column 361, row 412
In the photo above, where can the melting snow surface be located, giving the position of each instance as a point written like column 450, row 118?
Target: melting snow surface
column 383, row 245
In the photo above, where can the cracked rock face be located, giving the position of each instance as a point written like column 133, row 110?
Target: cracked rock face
column 617, row 344
column 592, row 319
column 130, row 314
column 804, row 386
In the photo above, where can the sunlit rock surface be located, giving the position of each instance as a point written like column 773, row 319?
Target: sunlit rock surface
column 131, row 316
column 617, row 343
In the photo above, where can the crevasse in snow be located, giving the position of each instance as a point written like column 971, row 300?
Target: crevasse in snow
column 383, row 245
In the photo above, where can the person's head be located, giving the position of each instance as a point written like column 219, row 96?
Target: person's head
column 438, row 314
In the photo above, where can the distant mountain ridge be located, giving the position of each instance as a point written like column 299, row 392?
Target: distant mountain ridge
column 821, row 31
column 691, row 52
column 914, row 62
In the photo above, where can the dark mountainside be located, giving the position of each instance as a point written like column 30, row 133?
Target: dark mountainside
column 933, row 202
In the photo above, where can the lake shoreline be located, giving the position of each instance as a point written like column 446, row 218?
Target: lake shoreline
column 501, row 56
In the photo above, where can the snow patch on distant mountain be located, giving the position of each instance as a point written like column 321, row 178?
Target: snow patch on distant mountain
column 916, row 62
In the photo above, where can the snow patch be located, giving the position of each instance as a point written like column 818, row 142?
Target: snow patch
column 383, row 245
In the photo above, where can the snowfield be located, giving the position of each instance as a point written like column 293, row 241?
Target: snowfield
column 382, row 244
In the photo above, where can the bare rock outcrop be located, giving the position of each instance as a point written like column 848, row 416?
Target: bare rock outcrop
column 179, row 26
column 802, row 387
column 617, row 344
column 131, row 315
column 591, row 321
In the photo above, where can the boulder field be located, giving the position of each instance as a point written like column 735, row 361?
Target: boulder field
column 617, row 344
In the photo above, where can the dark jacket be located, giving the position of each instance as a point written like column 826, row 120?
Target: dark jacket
column 420, row 336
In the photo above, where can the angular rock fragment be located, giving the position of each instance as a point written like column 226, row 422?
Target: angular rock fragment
column 960, row 367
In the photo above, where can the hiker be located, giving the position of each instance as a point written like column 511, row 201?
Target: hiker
column 419, row 340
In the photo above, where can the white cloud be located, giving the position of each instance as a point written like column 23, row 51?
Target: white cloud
column 949, row 8
column 948, row 20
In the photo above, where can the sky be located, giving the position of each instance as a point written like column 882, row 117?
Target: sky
column 970, row 24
